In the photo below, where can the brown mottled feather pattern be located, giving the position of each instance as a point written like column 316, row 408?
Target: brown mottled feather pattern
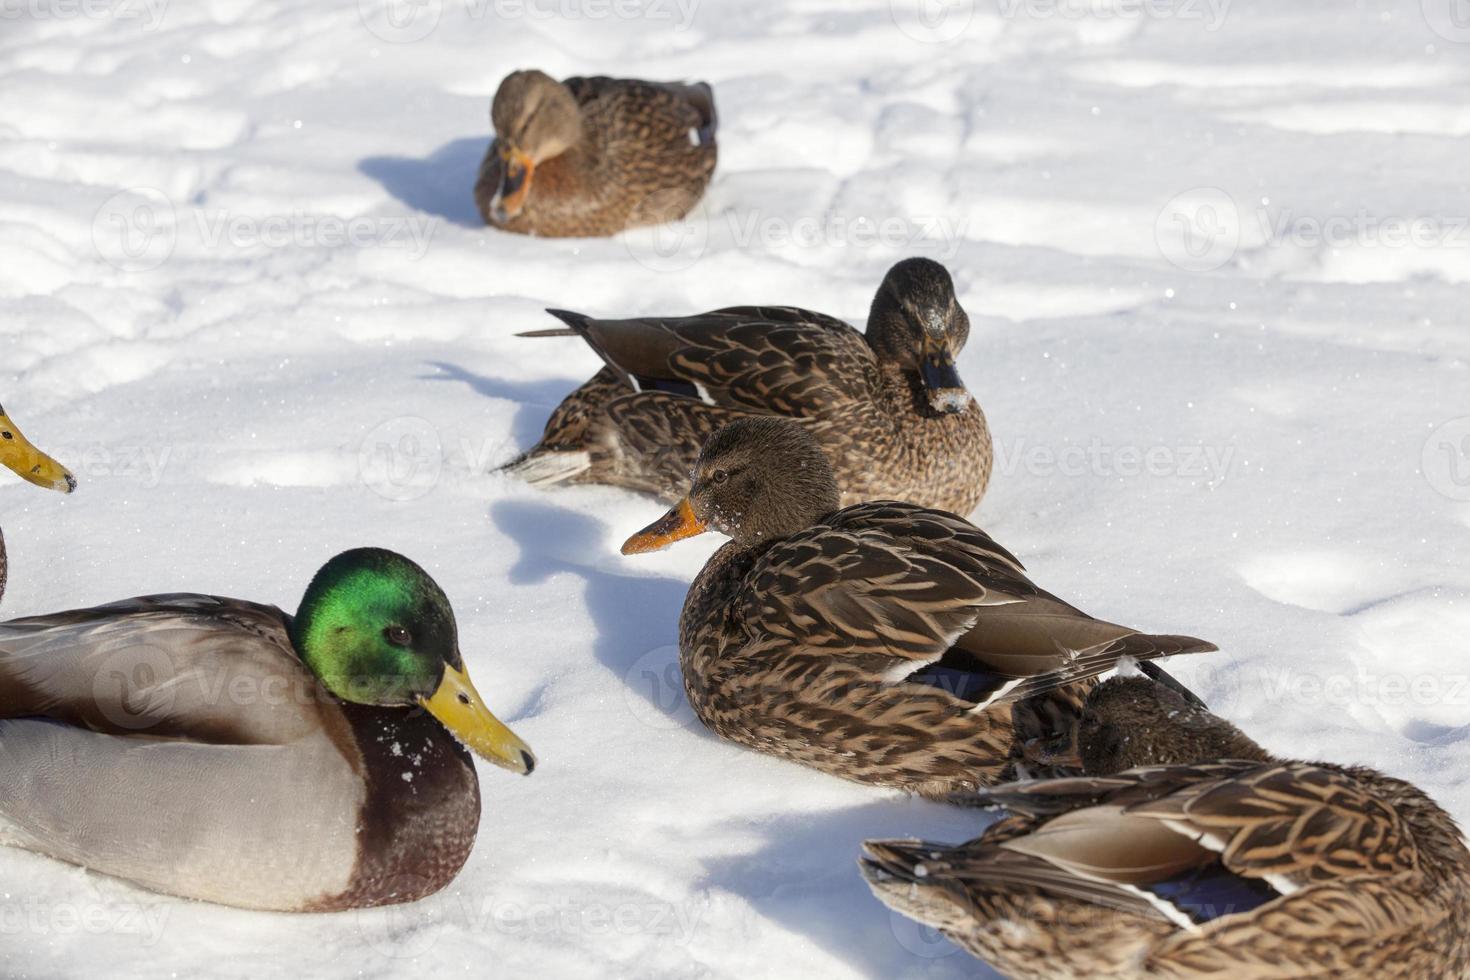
column 1378, row 878
column 636, row 164
column 798, row 647
column 870, row 417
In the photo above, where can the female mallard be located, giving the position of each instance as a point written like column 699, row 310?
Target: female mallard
column 888, row 407
column 883, row 642
column 221, row 750
column 30, row 464
column 594, row 156
column 1219, row 861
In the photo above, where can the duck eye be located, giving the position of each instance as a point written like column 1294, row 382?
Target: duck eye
column 719, row 476
column 398, row 636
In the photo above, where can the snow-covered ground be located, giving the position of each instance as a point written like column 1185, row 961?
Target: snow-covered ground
column 1216, row 255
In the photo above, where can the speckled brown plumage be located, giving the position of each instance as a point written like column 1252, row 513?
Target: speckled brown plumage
column 886, row 407
column 884, row 642
column 1252, row 868
column 643, row 154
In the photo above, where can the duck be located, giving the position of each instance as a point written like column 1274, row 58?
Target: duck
column 885, row 642
column 887, row 405
column 590, row 157
column 1188, row 851
column 221, row 750
column 30, row 464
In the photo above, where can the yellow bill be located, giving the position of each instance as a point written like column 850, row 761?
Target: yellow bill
column 459, row 708
column 676, row 525
column 29, row 463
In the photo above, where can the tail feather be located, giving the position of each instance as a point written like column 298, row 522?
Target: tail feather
column 577, row 321
column 542, row 467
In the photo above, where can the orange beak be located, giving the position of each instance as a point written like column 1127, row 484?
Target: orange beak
column 516, row 169
column 676, row 525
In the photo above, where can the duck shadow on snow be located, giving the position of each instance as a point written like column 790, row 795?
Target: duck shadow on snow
column 804, row 875
column 635, row 615
column 441, row 184
column 534, row 400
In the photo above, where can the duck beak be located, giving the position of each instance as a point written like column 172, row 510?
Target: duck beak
column 946, row 391
column 28, row 462
column 515, row 183
column 459, row 708
column 676, row 525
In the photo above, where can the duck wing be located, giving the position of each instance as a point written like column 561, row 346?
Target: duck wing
column 193, row 667
column 771, row 359
column 930, row 598
column 686, row 106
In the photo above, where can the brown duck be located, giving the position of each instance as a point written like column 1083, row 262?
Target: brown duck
column 594, row 156
column 30, row 464
column 883, row 642
column 1215, row 860
column 888, row 406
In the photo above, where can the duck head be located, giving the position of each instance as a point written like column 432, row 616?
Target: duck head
column 1133, row 721
column 29, row 463
column 376, row 629
column 756, row 480
column 917, row 323
column 535, row 119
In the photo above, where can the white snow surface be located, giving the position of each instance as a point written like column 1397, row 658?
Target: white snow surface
column 1215, row 254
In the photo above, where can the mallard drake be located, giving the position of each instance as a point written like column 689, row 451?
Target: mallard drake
column 30, row 464
column 883, row 642
column 888, row 406
column 1214, row 860
column 594, row 156
column 221, row 750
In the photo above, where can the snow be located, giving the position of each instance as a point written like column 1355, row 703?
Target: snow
column 1215, row 254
